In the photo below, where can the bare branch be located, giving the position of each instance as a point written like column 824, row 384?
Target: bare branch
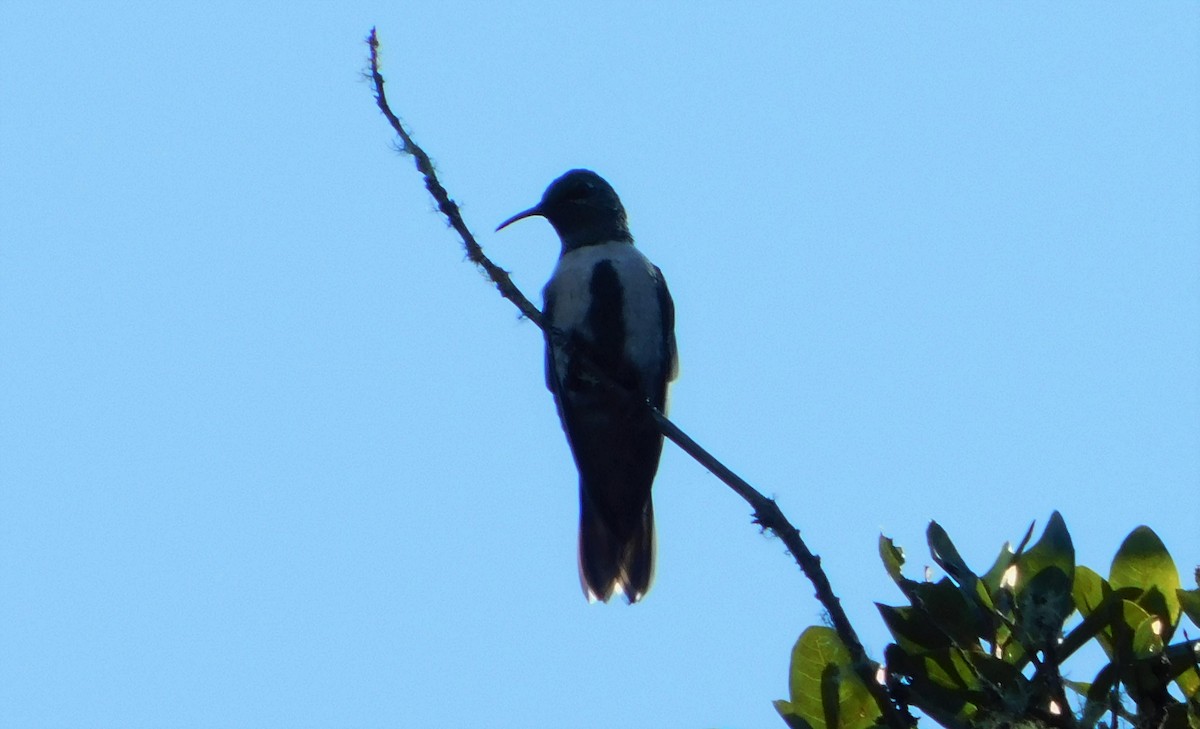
column 448, row 207
column 766, row 511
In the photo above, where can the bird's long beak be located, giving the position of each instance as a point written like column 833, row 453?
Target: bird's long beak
column 535, row 210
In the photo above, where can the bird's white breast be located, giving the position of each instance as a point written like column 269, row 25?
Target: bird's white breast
column 570, row 287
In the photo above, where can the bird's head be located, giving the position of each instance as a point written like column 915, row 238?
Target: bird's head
column 583, row 208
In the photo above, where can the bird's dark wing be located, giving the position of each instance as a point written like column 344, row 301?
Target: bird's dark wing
column 554, row 383
column 547, row 318
column 670, row 352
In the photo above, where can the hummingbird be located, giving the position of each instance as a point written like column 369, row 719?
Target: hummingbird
column 611, row 300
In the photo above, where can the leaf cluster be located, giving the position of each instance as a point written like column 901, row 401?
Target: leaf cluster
column 986, row 649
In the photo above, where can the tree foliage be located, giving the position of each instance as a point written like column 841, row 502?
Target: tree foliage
column 987, row 649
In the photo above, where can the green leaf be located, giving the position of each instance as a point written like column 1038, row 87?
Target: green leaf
column 1001, row 678
column 1189, row 682
column 1043, row 607
column 946, row 554
column 1098, row 618
column 1143, row 561
column 1089, row 590
column 1100, row 605
column 935, row 684
column 1011, row 650
column 1079, row 687
column 950, row 670
column 913, row 630
column 1025, row 540
column 1183, row 662
column 893, row 561
column 1147, row 637
column 1125, row 624
column 947, row 608
column 978, row 602
column 1043, row 590
column 1189, row 602
column 826, row 693
column 1053, row 549
column 791, row 716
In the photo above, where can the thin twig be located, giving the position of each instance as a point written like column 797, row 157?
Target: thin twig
column 766, row 511
column 448, row 207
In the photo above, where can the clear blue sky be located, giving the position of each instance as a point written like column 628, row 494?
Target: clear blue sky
column 273, row 455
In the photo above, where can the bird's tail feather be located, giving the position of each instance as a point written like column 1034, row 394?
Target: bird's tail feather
column 609, row 560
